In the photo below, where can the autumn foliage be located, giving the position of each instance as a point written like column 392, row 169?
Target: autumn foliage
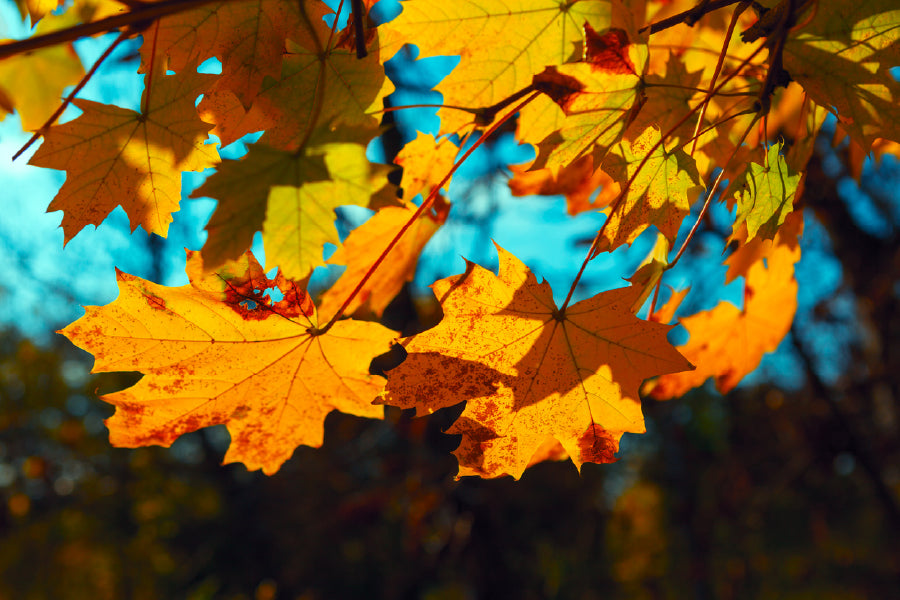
column 647, row 110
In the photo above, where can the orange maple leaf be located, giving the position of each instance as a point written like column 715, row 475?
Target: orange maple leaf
column 578, row 182
column 528, row 370
column 219, row 351
column 363, row 246
column 726, row 342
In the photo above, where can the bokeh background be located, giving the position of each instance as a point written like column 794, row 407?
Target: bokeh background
column 787, row 487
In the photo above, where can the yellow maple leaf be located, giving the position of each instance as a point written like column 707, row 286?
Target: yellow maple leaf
column 528, row 370
column 115, row 156
column 600, row 97
column 425, row 162
column 219, row 351
column 32, row 84
column 534, row 33
column 664, row 183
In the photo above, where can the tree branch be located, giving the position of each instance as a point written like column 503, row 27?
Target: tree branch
column 136, row 19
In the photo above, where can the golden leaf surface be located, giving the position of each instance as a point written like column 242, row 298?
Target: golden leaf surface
column 664, row 183
column 219, row 351
column 533, row 33
column 528, row 370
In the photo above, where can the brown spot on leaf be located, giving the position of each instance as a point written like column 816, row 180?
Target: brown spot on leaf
column 155, row 302
column 240, row 412
column 562, row 89
column 608, row 52
column 597, row 446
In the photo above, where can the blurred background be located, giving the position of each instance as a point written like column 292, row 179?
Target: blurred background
column 787, row 487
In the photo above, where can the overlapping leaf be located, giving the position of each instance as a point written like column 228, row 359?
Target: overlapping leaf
column 247, row 36
column 528, row 370
column 291, row 198
column 218, row 351
column 599, row 97
column 365, row 244
column 843, row 57
column 114, row 156
column 726, row 342
column 663, row 185
column 534, row 33
column 765, row 194
column 33, row 84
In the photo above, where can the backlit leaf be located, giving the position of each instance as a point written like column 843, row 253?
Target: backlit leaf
column 765, row 194
column 664, row 183
column 218, row 351
column 528, row 371
column 115, row 156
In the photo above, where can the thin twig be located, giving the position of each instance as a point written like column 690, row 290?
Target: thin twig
column 426, row 204
column 68, row 100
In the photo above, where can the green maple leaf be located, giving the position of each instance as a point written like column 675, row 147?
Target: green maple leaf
column 291, row 198
column 765, row 195
column 661, row 193
column 843, row 60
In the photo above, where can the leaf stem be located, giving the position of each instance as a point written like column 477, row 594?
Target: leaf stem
column 337, row 14
column 68, row 100
column 426, row 204
column 359, row 27
column 593, row 250
column 690, row 16
column 712, row 193
column 719, row 63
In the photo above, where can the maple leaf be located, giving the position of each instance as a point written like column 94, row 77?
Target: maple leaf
column 291, row 197
column 317, row 87
column 114, row 156
column 599, row 97
column 33, row 83
column 528, row 370
column 726, row 342
column 843, row 57
column 364, row 245
column 752, row 251
column 219, row 351
column 669, row 102
column 425, row 162
column 665, row 183
column 535, row 34
column 577, row 182
column 248, row 38
column 765, row 194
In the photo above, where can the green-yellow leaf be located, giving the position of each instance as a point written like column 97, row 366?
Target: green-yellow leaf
column 665, row 183
column 765, row 194
column 259, row 191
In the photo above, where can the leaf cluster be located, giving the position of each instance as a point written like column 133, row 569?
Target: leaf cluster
column 647, row 110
